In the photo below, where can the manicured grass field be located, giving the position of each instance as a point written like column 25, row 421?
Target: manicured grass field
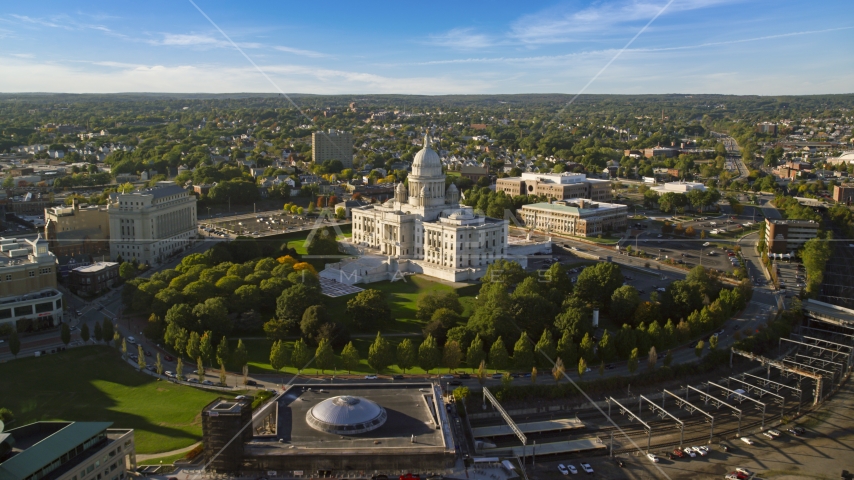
column 93, row 384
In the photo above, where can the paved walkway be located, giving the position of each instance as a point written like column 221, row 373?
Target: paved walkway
column 144, row 457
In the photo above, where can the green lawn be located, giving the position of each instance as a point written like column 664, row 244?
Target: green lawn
column 402, row 297
column 93, row 384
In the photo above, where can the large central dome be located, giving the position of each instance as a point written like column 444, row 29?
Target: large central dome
column 427, row 162
column 346, row 415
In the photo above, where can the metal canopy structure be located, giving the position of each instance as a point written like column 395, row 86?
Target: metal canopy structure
column 748, row 387
column 684, row 404
column 829, row 333
column 741, row 398
column 487, row 395
column 783, row 368
column 822, row 350
column 626, row 411
column 822, row 363
column 663, row 413
column 715, row 402
column 776, row 386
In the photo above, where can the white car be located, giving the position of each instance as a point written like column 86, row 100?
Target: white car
column 744, row 471
column 746, row 440
column 707, row 244
column 169, row 374
column 774, row 432
column 131, row 340
column 699, row 451
column 572, row 469
column 768, row 434
column 689, row 451
column 652, row 457
column 704, row 450
column 562, row 469
column 370, row 377
column 587, row 468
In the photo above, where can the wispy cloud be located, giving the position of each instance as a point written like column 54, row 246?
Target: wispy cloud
column 63, row 22
column 557, row 25
column 41, row 21
column 23, row 55
column 461, row 39
column 298, row 51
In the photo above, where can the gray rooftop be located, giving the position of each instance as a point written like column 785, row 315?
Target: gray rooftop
column 43, row 442
column 410, row 412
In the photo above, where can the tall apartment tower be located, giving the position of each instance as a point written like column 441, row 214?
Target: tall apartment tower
column 223, row 420
column 332, row 145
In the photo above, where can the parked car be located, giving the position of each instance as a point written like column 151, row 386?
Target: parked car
column 678, row 453
column 169, row 358
column 455, row 382
column 464, row 376
column 690, row 452
column 397, row 377
column 446, row 377
column 744, row 471
column 562, row 469
column 572, row 469
column 587, row 468
column 207, row 382
column 251, row 383
column 497, row 376
column 131, row 340
column 652, row 457
column 768, row 434
column 169, row 374
column 370, row 377
column 193, row 380
column 746, row 440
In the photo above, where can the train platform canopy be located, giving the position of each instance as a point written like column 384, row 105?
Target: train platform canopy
column 532, row 427
column 569, row 446
column 826, row 312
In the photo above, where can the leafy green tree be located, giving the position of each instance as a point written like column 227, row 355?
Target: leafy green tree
column 596, row 283
column 633, row 361
column 624, row 302
column 200, row 369
column 127, row 271
column 179, row 369
column 498, row 357
column 278, row 355
column 324, row 357
column 140, row 359
column 545, row 349
column 575, row 318
column 194, row 345
column 558, row 370
column 567, row 350
column 713, row 342
column 602, row 369
column 222, row 352
column 481, row 373
column 294, row 301
column 582, row 367
column 158, row 364
column 368, row 309
column 15, row 341
column 607, row 348
column 222, row 375
column 350, row 357
column 430, row 301
column 452, row 355
column 523, row 353
column 323, row 243
column 314, row 317
column 429, row 355
column 503, row 271
column 668, row 359
column 212, row 316
column 64, row 335
column 117, row 340
column 206, row 349
column 380, row 354
column 407, row 356
column 98, row 333
column 182, row 315
column 587, row 347
column 698, row 350
column 84, row 332
column 475, row 353
column 240, row 357
column 107, row 330
column 301, row 355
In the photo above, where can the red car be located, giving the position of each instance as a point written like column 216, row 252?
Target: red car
column 679, row 453
column 168, row 358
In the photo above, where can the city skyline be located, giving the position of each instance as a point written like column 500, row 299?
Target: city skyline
column 689, row 46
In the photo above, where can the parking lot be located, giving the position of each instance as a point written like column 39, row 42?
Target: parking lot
column 258, row 224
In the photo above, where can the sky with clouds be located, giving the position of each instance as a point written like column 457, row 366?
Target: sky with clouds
column 761, row 47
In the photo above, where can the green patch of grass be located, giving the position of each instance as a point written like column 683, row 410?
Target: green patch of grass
column 93, row 384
